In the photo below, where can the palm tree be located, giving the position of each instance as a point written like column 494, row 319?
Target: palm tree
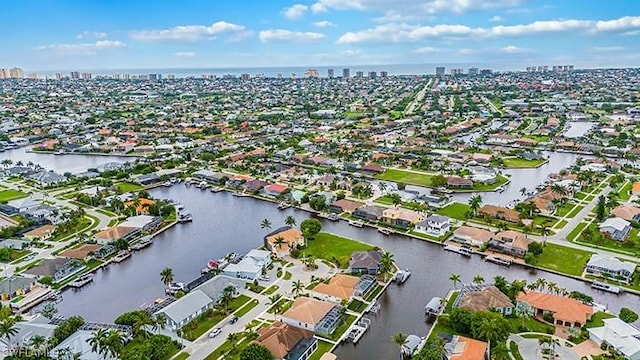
column 97, row 341
column 7, row 330
column 544, row 230
column 140, row 324
column 160, row 321
column 523, row 191
column 455, row 279
column 37, row 342
column 400, row 339
column 478, row 279
column 474, row 204
column 265, row 224
column 382, row 186
column 225, row 299
column 297, row 287
column 290, row 221
column 279, row 241
column 233, row 339
column 559, row 189
column 395, row 199
column 115, row 342
column 48, row 310
column 552, row 287
column 500, row 352
column 488, row 330
column 386, row 264
column 166, row 275
column 540, row 284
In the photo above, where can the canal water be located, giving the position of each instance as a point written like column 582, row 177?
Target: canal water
column 61, row 163
column 223, row 223
column 576, row 129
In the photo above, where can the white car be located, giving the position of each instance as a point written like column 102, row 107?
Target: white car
column 215, row 332
column 264, row 278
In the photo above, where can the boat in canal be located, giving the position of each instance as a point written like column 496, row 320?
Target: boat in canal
column 599, row 285
column 185, row 218
column 385, row 231
column 167, row 184
column 82, row 281
column 458, row 250
column 402, row 276
column 498, row 260
column 142, row 244
column 433, row 307
column 216, row 189
column 174, row 288
column 121, row 256
column 356, row 223
column 331, row 216
column 283, row 206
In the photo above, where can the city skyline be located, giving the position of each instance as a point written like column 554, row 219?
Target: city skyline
column 195, row 34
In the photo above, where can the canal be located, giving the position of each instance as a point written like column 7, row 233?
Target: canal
column 61, row 163
column 576, row 129
column 224, row 223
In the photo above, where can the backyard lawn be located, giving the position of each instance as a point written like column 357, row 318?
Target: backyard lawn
column 323, row 347
column 625, row 192
column 596, row 319
column 478, row 186
column 191, row 332
column 334, row 248
column 407, row 177
column 576, row 231
column 128, row 187
column 11, row 194
column 518, row 163
column 456, row 211
column 563, row 259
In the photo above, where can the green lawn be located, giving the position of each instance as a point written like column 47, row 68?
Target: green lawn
column 323, row 347
column 15, row 254
column 575, row 211
column 450, row 301
column 625, row 192
column 334, row 248
column 518, row 163
column 182, row 356
column 246, row 308
column 631, row 244
column 271, row 290
column 563, row 259
column 373, row 294
column 284, row 304
column 346, row 323
column 230, row 351
column 455, row 210
column 569, row 210
column 478, row 186
column 287, row 275
column 128, row 187
column 576, row 231
column 532, row 325
column 193, row 330
column 407, row 177
column 596, row 319
column 441, row 328
column 385, row 200
column 8, row 195
column 515, row 351
column 83, row 224
column 357, row 306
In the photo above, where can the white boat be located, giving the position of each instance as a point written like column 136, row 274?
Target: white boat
column 82, row 281
column 141, row 245
column 283, row 206
column 122, row 255
column 185, row 218
column 216, row 189
column 167, row 184
column 356, row 223
column 385, row 231
column 433, row 307
column 179, row 207
column 402, row 276
column 498, row 260
column 458, row 249
column 606, row 287
column 59, row 152
column 175, row 287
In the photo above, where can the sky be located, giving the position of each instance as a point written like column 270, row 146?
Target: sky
column 48, row 35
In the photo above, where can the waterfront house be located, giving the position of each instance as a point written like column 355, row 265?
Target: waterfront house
column 365, row 262
column 472, row 235
column 343, row 287
column 372, row 169
column 83, row 253
column 57, row 268
column 254, row 185
column 608, row 266
column 510, row 242
column 145, row 223
column 141, row 205
column 500, row 213
column 616, row 228
column 251, row 265
column 43, row 232
column 627, row 212
column 369, row 212
column 458, row 182
column 211, row 176
column 464, row 348
column 565, row 311
column 401, row 217
column 15, row 286
column 291, row 236
column 114, row 233
column 484, row 297
column 321, row 317
column 27, row 330
column 274, row 190
column 286, row 342
column 78, row 344
column 344, row 205
column 436, row 225
column 434, row 201
column 47, row 178
column 147, row 179
column 623, row 337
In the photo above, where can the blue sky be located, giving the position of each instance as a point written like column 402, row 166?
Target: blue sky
column 50, row 35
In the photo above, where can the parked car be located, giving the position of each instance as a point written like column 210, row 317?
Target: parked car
column 233, row 320
column 215, row 332
column 264, row 278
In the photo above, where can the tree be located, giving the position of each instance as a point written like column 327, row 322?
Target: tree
column 255, row 352
column 455, row 279
column 478, row 279
column 395, row 199
column 37, row 342
column 290, row 221
column 601, row 208
column 298, row 287
column 500, row 352
column 160, row 321
column 265, row 224
column 535, row 248
column 400, row 339
column 141, row 322
column 114, row 343
column 627, row 315
column 382, row 186
column 166, row 275
column 49, row 310
column 97, row 341
column 279, row 241
column 474, row 204
column 386, row 264
column 7, row 330
column 233, row 339
column 501, row 283
column 438, row 181
column 310, row 227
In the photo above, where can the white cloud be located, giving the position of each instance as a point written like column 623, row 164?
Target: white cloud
column 91, row 34
column 466, row 51
column 412, row 7
column 184, row 54
column 512, row 49
column 323, row 24
column 426, row 50
column 239, row 36
column 281, row 35
column 402, row 32
column 83, row 48
column 496, row 18
column 295, row 11
column 187, row 32
column 606, row 49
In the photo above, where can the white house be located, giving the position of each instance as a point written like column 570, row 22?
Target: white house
column 250, row 267
column 604, row 265
column 435, row 225
column 620, row 335
column 617, row 228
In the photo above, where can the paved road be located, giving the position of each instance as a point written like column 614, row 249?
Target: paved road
column 418, row 99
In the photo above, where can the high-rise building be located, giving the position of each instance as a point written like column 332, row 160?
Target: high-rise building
column 16, row 73
column 33, row 76
column 372, row 75
column 359, row 74
column 245, row 77
column 126, row 76
column 171, row 77
column 346, row 73
column 440, row 71
column 384, row 74
column 58, row 76
column 4, row 73
column 153, row 77
column 458, row 71
column 473, row 71
column 86, row 76
column 330, row 73
column 485, row 72
column 75, row 75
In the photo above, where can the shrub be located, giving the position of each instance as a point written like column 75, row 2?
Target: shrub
column 548, row 317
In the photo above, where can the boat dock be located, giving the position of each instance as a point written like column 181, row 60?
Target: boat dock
column 82, row 281
column 401, row 276
column 123, row 255
column 358, row 329
column 458, row 250
column 434, row 307
column 606, row 287
column 498, row 260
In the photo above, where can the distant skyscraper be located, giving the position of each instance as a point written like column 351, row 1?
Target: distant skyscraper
column 473, row 71
column 245, row 77
column 86, row 76
column 359, row 74
column 16, row 73
column 440, row 71
column 171, row 77
column 153, row 77
column 59, row 76
column 372, row 75
column 75, row 75
column 330, row 73
column 485, row 72
column 33, row 76
column 384, row 74
column 456, row 72
column 346, row 73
